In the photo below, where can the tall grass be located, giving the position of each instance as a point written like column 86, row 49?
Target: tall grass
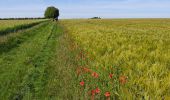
column 8, row 26
column 139, row 47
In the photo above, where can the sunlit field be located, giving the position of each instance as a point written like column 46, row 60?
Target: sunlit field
column 134, row 53
column 4, row 24
column 85, row 50
column 85, row 59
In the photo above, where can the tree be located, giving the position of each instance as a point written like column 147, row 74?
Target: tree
column 52, row 12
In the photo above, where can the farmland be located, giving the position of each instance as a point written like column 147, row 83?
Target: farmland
column 81, row 59
column 139, row 47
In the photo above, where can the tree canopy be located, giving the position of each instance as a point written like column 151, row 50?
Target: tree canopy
column 51, row 12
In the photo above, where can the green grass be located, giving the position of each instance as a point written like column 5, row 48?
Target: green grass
column 48, row 61
column 13, row 26
column 14, row 63
column 7, row 42
column 5, row 24
column 37, row 64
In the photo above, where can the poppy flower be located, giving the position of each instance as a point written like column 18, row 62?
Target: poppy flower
column 97, row 90
column 107, row 94
column 93, row 92
column 110, row 75
column 94, row 74
column 82, row 83
column 123, row 79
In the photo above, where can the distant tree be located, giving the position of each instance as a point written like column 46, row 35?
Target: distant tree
column 52, row 12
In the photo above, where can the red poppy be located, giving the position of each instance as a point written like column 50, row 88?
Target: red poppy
column 107, row 94
column 93, row 92
column 94, row 74
column 110, row 75
column 123, row 79
column 97, row 90
column 82, row 83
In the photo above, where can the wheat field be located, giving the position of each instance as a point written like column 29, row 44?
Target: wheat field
column 140, row 47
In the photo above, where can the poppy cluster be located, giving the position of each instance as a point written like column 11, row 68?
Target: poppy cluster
column 95, row 75
column 93, row 92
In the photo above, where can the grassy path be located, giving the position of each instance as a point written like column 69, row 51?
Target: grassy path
column 61, row 71
column 39, row 67
column 14, row 64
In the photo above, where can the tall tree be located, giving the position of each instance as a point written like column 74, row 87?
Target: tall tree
column 52, row 12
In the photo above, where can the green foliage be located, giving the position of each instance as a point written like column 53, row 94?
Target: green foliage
column 51, row 12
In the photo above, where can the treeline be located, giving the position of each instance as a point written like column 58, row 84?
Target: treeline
column 21, row 18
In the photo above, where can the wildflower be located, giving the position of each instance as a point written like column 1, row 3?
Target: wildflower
column 82, row 83
column 110, row 75
column 93, row 92
column 107, row 94
column 94, row 74
column 97, row 90
column 122, row 79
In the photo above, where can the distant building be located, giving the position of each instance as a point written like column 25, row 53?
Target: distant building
column 96, row 18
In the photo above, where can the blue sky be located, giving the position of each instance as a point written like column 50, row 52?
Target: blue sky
column 87, row 8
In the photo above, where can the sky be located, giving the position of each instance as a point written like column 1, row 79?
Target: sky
column 87, row 8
